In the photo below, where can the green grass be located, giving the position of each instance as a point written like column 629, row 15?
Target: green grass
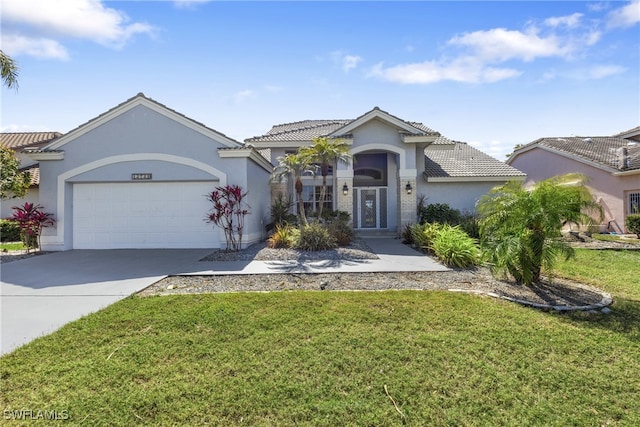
column 616, row 238
column 12, row 246
column 324, row 359
column 617, row 272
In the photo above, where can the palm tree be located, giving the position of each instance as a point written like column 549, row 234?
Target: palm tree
column 8, row 71
column 521, row 227
column 325, row 152
column 295, row 165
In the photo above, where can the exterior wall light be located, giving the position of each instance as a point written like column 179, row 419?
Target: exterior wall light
column 409, row 188
column 345, row 189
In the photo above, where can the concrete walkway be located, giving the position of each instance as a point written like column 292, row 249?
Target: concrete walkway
column 40, row 294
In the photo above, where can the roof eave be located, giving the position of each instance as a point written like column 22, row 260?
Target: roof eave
column 137, row 100
column 45, row 155
column 474, row 178
column 421, row 139
column 246, row 153
column 563, row 154
column 627, row 173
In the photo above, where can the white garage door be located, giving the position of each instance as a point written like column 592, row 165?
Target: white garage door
column 143, row 215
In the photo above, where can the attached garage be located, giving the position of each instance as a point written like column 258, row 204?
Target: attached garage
column 137, row 176
column 142, row 215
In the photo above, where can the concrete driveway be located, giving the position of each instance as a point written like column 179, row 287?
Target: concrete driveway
column 42, row 293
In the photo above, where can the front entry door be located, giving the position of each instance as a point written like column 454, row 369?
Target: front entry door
column 370, row 207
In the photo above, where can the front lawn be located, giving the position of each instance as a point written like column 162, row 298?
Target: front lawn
column 339, row 358
column 12, row 246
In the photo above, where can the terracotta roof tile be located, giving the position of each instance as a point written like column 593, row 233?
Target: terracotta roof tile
column 599, row 149
column 19, row 140
column 34, row 170
column 465, row 161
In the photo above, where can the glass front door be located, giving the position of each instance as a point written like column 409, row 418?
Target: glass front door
column 370, row 207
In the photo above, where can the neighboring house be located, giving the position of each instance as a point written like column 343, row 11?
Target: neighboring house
column 394, row 163
column 612, row 165
column 137, row 176
column 18, row 141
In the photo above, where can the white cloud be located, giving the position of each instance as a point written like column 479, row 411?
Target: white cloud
column 38, row 47
column 464, row 70
column 602, row 71
column 500, row 44
column 244, row 95
column 349, row 62
column 570, row 21
column 596, row 7
column 345, row 61
column 625, row 16
column 32, row 21
column 480, row 56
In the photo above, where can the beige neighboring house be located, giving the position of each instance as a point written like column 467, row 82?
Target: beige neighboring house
column 395, row 162
column 18, row 141
column 612, row 164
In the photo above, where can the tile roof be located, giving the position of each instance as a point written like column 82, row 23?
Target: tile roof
column 306, row 130
column 34, row 170
column 633, row 131
column 603, row 150
column 464, row 161
column 143, row 96
column 19, row 140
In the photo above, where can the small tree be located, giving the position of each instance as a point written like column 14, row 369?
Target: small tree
column 325, row 152
column 521, row 227
column 13, row 182
column 32, row 220
column 295, row 165
column 228, row 212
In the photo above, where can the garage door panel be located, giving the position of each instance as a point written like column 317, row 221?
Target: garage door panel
column 142, row 215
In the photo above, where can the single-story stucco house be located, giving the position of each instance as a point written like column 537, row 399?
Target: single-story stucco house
column 137, row 176
column 17, row 142
column 394, row 163
column 612, row 164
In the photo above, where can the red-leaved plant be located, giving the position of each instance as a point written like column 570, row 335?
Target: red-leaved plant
column 32, row 220
column 228, row 212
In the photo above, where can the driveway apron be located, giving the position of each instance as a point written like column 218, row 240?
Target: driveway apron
column 42, row 293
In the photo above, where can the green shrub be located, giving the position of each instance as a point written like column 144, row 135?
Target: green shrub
column 314, row 237
column 407, row 234
column 9, row 231
column 454, row 247
column 439, row 212
column 341, row 231
column 633, row 224
column 281, row 212
column 470, row 223
column 331, row 216
column 423, row 234
column 282, row 237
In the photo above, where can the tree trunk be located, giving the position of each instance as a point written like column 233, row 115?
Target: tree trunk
column 323, row 193
column 303, row 217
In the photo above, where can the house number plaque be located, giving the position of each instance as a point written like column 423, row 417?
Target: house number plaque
column 140, row 176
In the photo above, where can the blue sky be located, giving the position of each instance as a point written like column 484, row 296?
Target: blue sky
column 493, row 74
